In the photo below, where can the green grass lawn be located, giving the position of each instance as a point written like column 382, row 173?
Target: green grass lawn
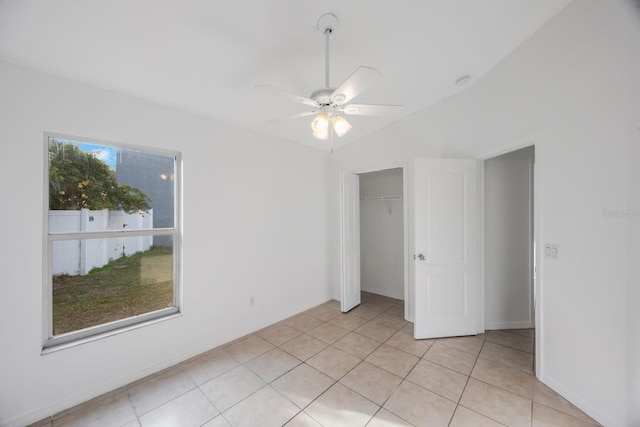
column 125, row 287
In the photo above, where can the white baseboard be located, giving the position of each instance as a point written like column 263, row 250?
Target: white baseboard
column 490, row 326
column 119, row 382
column 385, row 292
column 581, row 403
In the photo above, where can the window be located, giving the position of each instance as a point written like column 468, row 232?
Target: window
column 112, row 253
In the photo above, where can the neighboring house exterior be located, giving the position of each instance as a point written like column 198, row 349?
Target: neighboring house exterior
column 154, row 175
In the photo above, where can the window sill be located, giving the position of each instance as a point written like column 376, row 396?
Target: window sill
column 92, row 338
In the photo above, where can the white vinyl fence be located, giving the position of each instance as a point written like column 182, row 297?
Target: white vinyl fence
column 75, row 257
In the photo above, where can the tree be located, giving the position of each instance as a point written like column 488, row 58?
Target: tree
column 79, row 180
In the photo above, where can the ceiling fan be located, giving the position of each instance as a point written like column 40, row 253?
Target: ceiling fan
column 329, row 104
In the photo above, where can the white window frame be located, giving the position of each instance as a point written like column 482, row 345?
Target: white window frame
column 51, row 343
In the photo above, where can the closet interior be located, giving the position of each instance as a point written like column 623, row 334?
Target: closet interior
column 382, row 233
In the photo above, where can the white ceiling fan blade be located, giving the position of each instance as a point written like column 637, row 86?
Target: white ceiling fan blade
column 371, row 109
column 359, row 80
column 292, row 96
column 293, row 116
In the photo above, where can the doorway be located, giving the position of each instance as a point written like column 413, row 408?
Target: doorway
column 383, row 234
column 452, row 180
column 509, row 243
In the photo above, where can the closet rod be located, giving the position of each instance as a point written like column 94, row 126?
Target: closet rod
column 380, row 198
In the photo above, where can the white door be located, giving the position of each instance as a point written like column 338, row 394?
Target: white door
column 444, row 220
column 350, row 240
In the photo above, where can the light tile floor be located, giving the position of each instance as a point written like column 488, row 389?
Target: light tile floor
column 326, row 368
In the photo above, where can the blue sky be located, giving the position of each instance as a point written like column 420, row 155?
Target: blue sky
column 104, row 153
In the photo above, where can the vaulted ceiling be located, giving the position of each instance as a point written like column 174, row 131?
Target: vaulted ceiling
column 207, row 56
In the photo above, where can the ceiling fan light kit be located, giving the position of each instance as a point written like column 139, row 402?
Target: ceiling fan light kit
column 329, row 104
column 340, row 125
column 320, row 126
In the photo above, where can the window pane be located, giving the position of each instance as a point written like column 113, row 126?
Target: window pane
column 100, row 187
column 153, row 174
column 96, row 281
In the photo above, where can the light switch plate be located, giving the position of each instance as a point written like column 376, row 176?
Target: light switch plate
column 551, row 250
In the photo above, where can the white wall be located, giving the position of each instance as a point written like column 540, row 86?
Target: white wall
column 573, row 89
column 508, row 284
column 382, row 234
column 255, row 225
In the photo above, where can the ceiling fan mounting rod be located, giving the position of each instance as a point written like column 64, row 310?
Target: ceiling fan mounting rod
column 327, row 23
column 327, row 34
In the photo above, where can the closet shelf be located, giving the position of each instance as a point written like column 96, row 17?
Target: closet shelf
column 380, row 198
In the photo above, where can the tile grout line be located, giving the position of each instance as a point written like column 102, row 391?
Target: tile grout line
column 467, row 382
column 134, row 408
column 492, row 385
column 362, row 360
column 241, row 364
column 464, row 388
column 334, row 380
column 381, row 407
column 370, row 321
column 338, row 381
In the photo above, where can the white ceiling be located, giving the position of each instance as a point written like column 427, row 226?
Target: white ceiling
column 206, row 56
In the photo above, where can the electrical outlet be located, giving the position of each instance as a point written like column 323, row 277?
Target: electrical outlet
column 252, row 301
column 551, row 250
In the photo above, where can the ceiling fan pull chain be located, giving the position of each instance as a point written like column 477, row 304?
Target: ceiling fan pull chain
column 331, row 137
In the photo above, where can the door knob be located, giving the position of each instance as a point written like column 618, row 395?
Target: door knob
column 421, row 257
